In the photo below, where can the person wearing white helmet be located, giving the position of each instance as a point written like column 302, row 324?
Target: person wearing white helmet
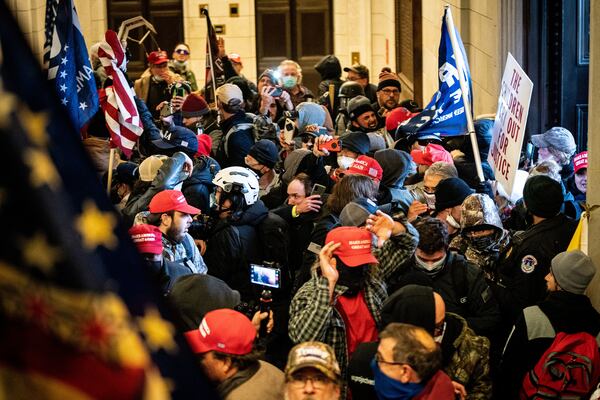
column 233, row 243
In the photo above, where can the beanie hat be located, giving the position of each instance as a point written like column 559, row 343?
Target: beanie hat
column 376, row 142
column 150, row 166
column 269, row 73
column 192, row 296
column 411, row 304
column 126, row 172
column 358, row 106
column 395, row 118
column 573, row 271
column 357, row 142
column 543, row 196
column 265, row 152
column 451, row 192
column 388, row 79
column 194, row 106
column 204, row 145
column 309, row 114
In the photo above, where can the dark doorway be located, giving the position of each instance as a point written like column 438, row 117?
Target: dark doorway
column 165, row 15
column 300, row 30
column 408, row 47
column 557, row 60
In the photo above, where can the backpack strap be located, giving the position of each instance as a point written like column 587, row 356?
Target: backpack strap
column 538, row 324
column 233, row 130
column 459, row 278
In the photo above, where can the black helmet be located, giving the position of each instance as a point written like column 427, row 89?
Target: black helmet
column 350, row 89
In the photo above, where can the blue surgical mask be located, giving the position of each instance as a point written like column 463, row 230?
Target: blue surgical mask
column 390, row 389
column 289, row 81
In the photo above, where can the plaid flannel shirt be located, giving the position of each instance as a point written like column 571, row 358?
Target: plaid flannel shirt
column 314, row 317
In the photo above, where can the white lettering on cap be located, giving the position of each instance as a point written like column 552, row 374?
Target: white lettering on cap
column 204, row 329
column 180, row 199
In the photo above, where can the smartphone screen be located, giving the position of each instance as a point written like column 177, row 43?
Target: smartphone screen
column 288, row 132
column 265, row 276
column 318, row 189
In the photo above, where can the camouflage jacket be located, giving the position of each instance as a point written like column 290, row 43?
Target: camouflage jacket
column 470, row 363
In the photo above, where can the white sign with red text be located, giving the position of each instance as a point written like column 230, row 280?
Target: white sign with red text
column 509, row 126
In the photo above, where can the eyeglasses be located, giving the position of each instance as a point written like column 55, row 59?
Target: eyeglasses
column 182, row 51
column 319, row 381
column 390, row 91
column 379, row 359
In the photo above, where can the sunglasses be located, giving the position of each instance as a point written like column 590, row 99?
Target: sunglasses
column 182, row 51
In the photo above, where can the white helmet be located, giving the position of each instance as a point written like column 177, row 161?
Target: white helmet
column 244, row 178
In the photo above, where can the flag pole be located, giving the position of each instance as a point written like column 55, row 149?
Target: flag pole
column 460, row 65
column 110, row 170
column 210, row 60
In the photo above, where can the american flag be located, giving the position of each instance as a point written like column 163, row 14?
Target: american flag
column 121, row 114
column 67, row 62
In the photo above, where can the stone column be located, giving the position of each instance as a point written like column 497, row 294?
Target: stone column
column 593, row 193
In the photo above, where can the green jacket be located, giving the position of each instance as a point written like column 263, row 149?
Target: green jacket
column 470, row 363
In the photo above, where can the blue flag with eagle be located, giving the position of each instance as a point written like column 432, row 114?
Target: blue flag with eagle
column 80, row 318
column 67, row 62
column 445, row 113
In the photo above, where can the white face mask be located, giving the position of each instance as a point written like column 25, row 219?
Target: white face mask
column 157, row 78
column 430, row 199
column 430, row 267
column 344, row 162
column 452, row 222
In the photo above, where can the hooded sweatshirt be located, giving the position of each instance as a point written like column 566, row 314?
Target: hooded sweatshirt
column 396, row 165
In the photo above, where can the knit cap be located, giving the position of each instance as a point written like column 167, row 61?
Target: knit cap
column 387, row 79
column 194, row 106
column 573, row 271
column 451, row 192
column 543, row 196
column 265, row 152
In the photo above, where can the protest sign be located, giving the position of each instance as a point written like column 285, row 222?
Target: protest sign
column 509, row 126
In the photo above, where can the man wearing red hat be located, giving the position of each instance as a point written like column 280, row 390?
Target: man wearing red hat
column 172, row 214
column 224, row 345
column 341, row 304
column 367, row 166
column 152, row 87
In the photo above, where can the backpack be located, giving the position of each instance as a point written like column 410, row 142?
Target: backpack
column 569, row 369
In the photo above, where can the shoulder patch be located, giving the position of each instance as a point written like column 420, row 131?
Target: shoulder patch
column 528, row 264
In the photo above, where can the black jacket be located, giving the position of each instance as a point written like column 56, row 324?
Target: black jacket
column 198, row 187
column 233, row 246
column 464, row 289
column 525, row 264
column 233, row 150
column 531, row 337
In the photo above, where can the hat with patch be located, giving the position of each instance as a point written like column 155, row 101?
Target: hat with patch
column 367, row 166
column 224, row 330
column 147, row 238
column 356, row 212
column 543, row 196
column 355, row 245
column 580, row 161
column 317, row 355
column 158, row 57
column 178, row 137
column 573, row 271
column 557, row 137
column 171, row 200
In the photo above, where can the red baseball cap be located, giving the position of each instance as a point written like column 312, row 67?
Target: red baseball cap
column 147, row 238
column 158, row 57
column 224, row 330
column 235, row 58
column 580, row 161
column 396, row 117
column 367, row 166
column 431, row 154
column 171, row 200
column 355, row 249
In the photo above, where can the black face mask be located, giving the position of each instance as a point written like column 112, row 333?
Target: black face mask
column 351, row 277
column 483, row 243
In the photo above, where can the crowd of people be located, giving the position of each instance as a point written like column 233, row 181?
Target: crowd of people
column 312, row 247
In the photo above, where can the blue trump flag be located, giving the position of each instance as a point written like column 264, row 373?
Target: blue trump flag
column 81, row 318
column 66, row 60
column 445, row 113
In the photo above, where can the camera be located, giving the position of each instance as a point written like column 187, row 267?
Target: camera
column 201, row 227
column 277, row 92
column 268, row 274
column 293, row 114
column 332, row 145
